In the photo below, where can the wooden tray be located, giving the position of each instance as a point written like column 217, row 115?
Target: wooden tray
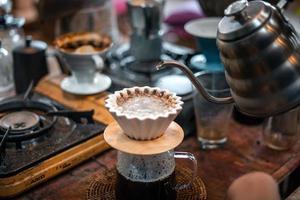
column 49, row 86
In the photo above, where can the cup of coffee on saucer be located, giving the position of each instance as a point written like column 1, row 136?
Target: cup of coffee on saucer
column 145, row 136
column 82, row 53
column 204, row 31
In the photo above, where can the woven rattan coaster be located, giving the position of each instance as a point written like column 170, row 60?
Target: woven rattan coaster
column 102, row 186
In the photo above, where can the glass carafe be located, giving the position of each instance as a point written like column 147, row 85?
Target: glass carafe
column 150, row 177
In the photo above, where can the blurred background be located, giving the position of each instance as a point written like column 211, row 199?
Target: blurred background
column 46, row 19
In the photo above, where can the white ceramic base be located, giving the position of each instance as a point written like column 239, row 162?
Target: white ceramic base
column 100, row 84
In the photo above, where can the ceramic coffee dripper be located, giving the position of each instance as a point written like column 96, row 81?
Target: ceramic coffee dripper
column 83, row 65
column 148, row 116
column 82, row 54
column 145, row 144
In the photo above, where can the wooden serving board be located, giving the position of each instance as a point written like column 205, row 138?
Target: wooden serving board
column 50, row 86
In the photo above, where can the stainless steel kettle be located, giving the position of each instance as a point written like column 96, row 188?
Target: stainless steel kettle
column 261, row 53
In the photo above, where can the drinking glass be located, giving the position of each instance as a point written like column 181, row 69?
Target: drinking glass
column 282, row 131
column 212, row 119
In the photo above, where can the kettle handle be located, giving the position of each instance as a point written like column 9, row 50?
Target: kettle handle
column 61, row 63
column 195, row 82
column 283, row 3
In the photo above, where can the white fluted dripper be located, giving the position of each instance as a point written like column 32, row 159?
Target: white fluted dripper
column 144, row 113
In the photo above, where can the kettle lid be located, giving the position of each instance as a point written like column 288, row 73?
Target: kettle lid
column 243, row 18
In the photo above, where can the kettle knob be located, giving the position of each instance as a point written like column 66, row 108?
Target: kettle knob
column 28, row 41
column 236, row 8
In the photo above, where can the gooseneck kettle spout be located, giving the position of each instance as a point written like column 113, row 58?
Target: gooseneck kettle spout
column 195, row 82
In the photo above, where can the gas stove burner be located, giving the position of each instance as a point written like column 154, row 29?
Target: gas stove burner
column 20, row 121
column 126, row 71
column 28, row 119
column 42, row 141
column 148, row 67
column 127, row 61
column 124, row 77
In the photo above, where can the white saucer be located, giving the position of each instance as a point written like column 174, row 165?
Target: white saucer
column 100, row 84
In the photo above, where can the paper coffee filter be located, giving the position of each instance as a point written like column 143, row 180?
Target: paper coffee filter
column 141, row 122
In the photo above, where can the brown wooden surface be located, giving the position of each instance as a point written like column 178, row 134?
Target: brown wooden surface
column 50, row 87
column 244, row 152
column 295, row 195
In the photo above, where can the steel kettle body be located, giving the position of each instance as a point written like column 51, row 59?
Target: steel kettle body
column 260, row 51
column 261, row 54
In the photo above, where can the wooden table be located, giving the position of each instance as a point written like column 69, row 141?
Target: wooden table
column 244, row 152
column 295, row 195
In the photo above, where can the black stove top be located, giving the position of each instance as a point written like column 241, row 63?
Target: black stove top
column 36, row 143
column 126, row 72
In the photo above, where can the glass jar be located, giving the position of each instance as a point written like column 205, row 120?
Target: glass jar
column 6, row 74
column 282, row 131
column 11, row 37
column 11, row 32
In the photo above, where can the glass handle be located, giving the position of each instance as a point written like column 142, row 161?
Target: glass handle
column 191, row 157
column 63, row 65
